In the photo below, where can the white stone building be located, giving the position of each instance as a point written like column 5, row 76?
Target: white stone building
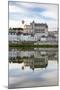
column 33, row 32
column 52, row 36
column 38, row 30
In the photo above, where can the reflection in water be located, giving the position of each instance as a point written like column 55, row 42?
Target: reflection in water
column 33, row 59
column 38, row 58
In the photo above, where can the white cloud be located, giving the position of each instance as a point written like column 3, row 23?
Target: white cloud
column 15, row 9
column 51, row 11
column 13, row 23
column 50, row 14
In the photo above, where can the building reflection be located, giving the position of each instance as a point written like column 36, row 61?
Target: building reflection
column 33, row 59
column 36, row 63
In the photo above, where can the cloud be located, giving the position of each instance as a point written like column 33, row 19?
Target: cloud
column 47, row 13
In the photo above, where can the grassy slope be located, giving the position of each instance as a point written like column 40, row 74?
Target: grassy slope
column 32, row 46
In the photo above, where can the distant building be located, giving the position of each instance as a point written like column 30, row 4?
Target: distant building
column 32, row 32
column 13, row 34
column 28, row 29
column 13, row 31
column 52, row 36
column 37, row 30
column 36, row 63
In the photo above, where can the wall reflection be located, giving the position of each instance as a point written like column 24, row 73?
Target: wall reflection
column 37, row 58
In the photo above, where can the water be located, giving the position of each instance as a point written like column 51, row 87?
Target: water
column 30, row 68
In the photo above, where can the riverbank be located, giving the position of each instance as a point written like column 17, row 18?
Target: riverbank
column 25, row 46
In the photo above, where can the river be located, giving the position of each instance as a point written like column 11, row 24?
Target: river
column 33, row 68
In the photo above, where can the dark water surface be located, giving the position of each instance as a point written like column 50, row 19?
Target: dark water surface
column 29, row 68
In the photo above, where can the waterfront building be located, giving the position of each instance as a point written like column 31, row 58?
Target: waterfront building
column 32, row 32
column 52, row 36
column 37, row 30
column 35, row 63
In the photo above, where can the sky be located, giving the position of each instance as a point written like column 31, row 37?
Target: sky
column 40, row 13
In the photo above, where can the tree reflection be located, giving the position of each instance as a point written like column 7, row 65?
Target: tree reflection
column 33, row 59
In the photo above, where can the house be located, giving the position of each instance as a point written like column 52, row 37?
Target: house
column 52, row 36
